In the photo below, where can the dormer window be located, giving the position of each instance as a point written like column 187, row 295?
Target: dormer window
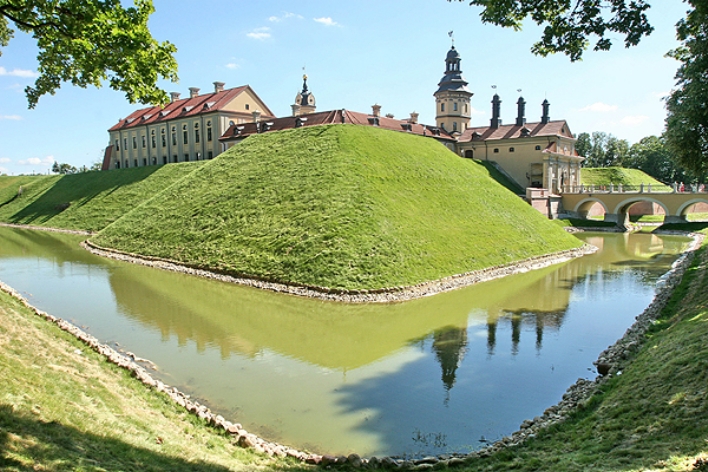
column 406, row 126
column 186, row 109
column 374, row 120
column 525, row 132
column 476, row 136
column 164, row 113
column 299, row 121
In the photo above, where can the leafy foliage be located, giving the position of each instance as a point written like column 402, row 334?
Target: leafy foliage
column 86, row 42
column 63, row 168
column 652, row 156
column 602, row 150
column 569, row 24
column 687, row 106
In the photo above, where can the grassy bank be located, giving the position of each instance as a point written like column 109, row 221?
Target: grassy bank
column 338, row 206
column 619, row 175
column 63, row 408
column 652, row 417
column 87, row 201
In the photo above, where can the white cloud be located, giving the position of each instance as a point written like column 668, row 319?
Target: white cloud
column 5, row 160
column 36, row 161
column 19, row 73
column 474, row 111
column 259, row 33
column 4, row 170
column 600, row 107
column 10, row 117
column 327, row 21
column 634, row 120
column 284, row 16
column 232, row 65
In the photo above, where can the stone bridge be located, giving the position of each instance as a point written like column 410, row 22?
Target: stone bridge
column 616, row 201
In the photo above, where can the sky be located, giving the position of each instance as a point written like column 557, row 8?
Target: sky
column 356, row 54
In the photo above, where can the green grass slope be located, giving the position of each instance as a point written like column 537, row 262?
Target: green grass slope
column 338, row 206
column 87, row 201
column 619, row 175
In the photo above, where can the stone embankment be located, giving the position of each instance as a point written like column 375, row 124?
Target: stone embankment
column 382, row 295
column 610, row 362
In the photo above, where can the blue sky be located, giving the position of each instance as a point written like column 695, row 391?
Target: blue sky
column 356, row 53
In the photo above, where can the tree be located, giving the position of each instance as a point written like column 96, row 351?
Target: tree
column 568, row 24
column 602, row 150
column 63, row 168
column 86, row 42
column 582, row 144
column 652, row 156
column 687, row 106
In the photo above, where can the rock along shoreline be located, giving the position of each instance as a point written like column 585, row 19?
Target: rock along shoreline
column 610, row 362
column 381, row 295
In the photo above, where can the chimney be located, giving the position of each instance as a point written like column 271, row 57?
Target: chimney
column 389, row 115
column 376, row 110
column 413, row 119
column 174, row 96
column 520, row 117
column 296, row 109
column 218, row 87
column 193, row 92
column 496, row 106
column 545, row 118
column 256, row 116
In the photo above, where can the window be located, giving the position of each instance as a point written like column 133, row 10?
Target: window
column 454, row 125
column 196, row 132
column 199, row 155
column 442, row 107
column 164, row 141
column 496, row 150
column 248, row 107
column 154, row 160
column 511, row 149
column 465, row 108
column 145, row 161
column 185, row 137
column 125, row 143
column 144, row 141
column 174, row 136
column 186, row 158
column 126, row 163
column 164, row 159
column 117, row 164
column 210, row 155
column 209, row 131
column 454, row 106
column 135, row 163
column 135, row 142
column 538, row 148
column 117, row 145
column 174, row 158
column 152, row 139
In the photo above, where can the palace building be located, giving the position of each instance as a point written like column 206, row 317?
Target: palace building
column 534, row 155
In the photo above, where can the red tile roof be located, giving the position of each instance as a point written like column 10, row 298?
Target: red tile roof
column 343, row 116
column 185, row 107
column 487, row 133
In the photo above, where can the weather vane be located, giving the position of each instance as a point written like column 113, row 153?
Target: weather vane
column 451, row 37
column 494, row 86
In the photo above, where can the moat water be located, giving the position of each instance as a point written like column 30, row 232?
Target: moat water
column 441, row 374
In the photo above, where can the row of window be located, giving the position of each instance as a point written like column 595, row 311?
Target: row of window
column 163, row 137
column 153, row 161
column 511, row 149
column 454, row 107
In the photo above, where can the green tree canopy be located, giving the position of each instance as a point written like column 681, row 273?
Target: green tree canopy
column 601, row 149
column 652, row 156
column 568, row 25
column 687, row 106
column 86, row 42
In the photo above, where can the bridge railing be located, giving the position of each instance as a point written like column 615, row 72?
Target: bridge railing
column 642, row 188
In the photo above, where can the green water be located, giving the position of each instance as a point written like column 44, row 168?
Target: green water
column 430, row 376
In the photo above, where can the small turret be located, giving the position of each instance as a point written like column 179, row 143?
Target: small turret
column 496, row 110
column 520, row 117
column 545, row 118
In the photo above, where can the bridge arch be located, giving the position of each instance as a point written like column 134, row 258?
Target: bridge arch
column 624, row 205
column 684, row 208
column 583, row 206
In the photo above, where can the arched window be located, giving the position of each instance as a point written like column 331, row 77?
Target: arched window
column 144, row 139
column 469, row 153
column 454, row 125
column 442, row 107
column 196, row 132
column 164, row 140
column 117, row 144
column 135, row 142
column 538, row 148
column 154, row 160
column 174, row 136
column 126, row 163
column 496, row 150
column 135, row 163
column 511, row 149
column 454, row 106
column 209, row 131
column 164, row 159
column 185, row 135
column 145, row 161
column 248, row 107
column 465, row 108
column 125, row 143
column 153, row 143
column 117, row 164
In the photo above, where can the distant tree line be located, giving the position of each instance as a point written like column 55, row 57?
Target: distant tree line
column 651, row 155
column 65, row 168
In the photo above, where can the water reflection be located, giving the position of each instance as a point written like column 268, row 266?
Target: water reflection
column 420, row 377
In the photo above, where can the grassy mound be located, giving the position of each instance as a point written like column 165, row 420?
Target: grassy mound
column 87, row 201
column 338, row 206
column 619, row 175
